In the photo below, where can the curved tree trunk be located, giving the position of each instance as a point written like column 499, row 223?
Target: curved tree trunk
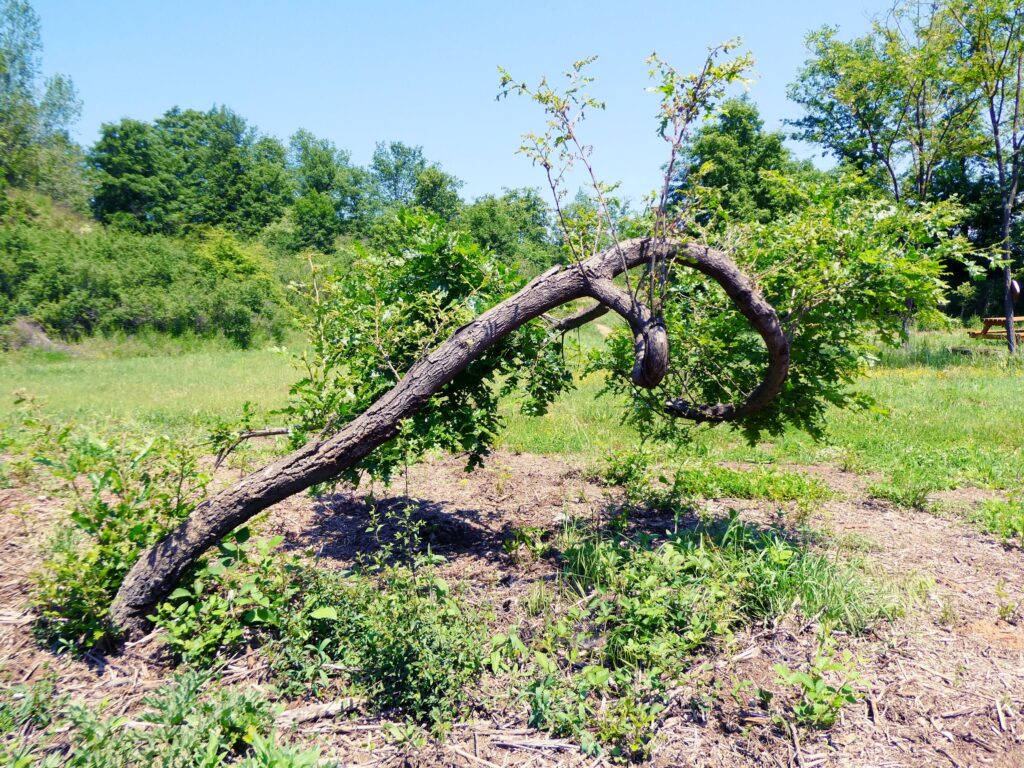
column 158, row 570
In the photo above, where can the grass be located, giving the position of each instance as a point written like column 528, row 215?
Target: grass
column 941, row 420
column 171, row 392
column 933, row 426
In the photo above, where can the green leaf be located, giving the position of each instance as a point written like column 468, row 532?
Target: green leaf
column 326, row 612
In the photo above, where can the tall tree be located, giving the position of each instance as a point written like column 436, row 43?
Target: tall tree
column 728, row 158
column 396, row 168
column 890, row 102
column 193, row 169
column 136, row 181
column 991, row 55
column 35, row 115
column 333, row 196
column 438, row 192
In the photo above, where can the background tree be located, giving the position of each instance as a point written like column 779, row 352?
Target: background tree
column 136, row 184
column 194, row 169
column 515, row 224
column 395, row 168
column 991, row 51
column 333, row 196
column 36, row 150
column 893, row 105
column 404, row 177
column 889, row 103
column 729, row 158
column 438, row 192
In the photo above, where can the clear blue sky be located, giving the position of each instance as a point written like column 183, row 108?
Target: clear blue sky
column 420, row 72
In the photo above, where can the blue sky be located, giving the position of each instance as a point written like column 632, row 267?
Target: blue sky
column 423, row 73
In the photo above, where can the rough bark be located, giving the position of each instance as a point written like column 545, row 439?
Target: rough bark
column 157, row 571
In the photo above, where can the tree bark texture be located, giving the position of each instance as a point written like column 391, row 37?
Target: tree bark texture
column 158, row 569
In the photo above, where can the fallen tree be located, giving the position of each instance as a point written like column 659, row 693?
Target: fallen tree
column 320, row 460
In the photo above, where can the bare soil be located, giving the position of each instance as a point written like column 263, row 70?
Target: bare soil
column 945, row 683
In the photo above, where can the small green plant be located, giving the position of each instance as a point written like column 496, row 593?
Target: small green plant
column 530, row 538
column 1002, row 518
column 538, row 599
column 190, row 722
column 123, row 497
column 245, row 590
column 33, row 706
column 1008, row 607
column 912, row 494
column 829, row 684
column 628, row 725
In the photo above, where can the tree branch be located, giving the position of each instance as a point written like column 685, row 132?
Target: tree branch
column 158, row 569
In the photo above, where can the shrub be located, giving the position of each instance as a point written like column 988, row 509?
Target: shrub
column 102, row 281
column 132, row 496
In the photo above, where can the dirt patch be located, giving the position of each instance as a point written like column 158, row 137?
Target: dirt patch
column 998, row 634
column 23, row 333
column 944, row 685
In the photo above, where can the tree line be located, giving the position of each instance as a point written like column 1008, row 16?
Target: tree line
column 925, row 107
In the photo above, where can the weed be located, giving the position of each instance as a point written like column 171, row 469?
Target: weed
column 1002, row 518
column 133, row 494
column 828, row 685
column 240, row 591
column 912, row 494
column 948, row 616
column 188, row 722
column 538, row 600
column 1008, row 608
column 530, row 538
column 33, row 706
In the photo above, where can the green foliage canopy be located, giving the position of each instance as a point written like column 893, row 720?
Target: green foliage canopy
column 189, row 169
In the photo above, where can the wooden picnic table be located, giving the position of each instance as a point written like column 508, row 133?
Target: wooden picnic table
column 987, row 332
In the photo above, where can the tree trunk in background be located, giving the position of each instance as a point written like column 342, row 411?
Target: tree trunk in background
column 1004, row 232
column 158, row 569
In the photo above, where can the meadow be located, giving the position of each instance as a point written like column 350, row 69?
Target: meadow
column 940, row 419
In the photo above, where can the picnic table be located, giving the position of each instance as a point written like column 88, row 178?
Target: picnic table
column 988, row 332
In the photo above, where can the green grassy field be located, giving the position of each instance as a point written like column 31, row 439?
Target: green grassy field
column 171, row 393
column 941, row 420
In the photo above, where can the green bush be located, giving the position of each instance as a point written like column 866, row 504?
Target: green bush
column 123, row 498
column 100, row 281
